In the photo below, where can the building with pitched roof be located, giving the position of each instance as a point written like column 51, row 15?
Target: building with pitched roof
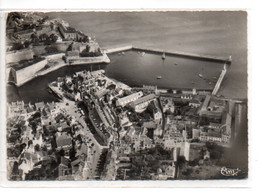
column 141, row 103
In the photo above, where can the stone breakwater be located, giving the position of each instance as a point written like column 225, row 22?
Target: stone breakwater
column 167, row 52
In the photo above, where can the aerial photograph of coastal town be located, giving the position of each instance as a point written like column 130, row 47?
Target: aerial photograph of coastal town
column 141, row 95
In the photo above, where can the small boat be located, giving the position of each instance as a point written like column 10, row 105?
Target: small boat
column 143, row 53
column 175, row 63
column 163, row 56
column 200, row 75
column 159, row 77
column 123, row 53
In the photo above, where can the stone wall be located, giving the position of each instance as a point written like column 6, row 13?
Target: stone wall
column 55, row 56
column 16, row 56
column 27, row 73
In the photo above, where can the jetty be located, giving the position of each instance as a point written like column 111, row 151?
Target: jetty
column 185, row 54
column 226, row 60
column 220, row 79
column 117, row 49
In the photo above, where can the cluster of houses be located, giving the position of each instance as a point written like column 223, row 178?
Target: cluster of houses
column 125, row 121
column 44, row 142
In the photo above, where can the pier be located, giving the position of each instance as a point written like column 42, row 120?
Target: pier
column 220, row 79
column 117, row 49
column 169, row 52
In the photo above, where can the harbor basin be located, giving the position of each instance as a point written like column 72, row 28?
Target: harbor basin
column 133, row 68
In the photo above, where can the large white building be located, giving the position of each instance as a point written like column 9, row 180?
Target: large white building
column 141, row 103
column 130, row 98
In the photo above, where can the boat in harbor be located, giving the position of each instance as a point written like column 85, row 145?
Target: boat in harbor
column 200, row 75
column 143, row 53
column 123, row 53
column 163, row 56
column 159, row 77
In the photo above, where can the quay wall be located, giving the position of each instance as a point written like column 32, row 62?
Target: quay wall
column 118, row 49
column 55, row 91
column 220, row 79
column 183, row 54
column 28, row 73
column 168, row 52
column 16, row 56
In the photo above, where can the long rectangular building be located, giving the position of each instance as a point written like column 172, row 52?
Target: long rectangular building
column 142, row 102
column 130, row 98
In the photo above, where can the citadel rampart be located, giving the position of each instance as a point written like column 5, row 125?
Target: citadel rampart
column 26, row 74
column 16, row 56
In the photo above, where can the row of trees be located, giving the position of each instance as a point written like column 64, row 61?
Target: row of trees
column 47, row 40
column 35, row 40
column 20, row 45
column 87, row 53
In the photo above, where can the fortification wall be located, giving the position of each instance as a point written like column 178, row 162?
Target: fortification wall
column 27, row 73
column 41, row 49
column 55, row 56
column 89, row 60
column 17, row 56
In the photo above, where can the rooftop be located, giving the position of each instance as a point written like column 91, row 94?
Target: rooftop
column 144, row 99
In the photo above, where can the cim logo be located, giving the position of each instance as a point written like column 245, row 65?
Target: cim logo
column 229, row 172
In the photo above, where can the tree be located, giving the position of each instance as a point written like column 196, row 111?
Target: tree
column 12, row 19
column 85, row 39
column 33, row 36
column 17, row 46
column 48, row 41
column 26, row 44
column 53, row 38
column 85, row 52
column 37, row 147
column 181, row 161
column 15, row 170
column 69, row 47
column 36, row 41
column 51, row 49
column 43, row 37
column 87, row 48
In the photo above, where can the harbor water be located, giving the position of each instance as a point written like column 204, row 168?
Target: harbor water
column 132, row 68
